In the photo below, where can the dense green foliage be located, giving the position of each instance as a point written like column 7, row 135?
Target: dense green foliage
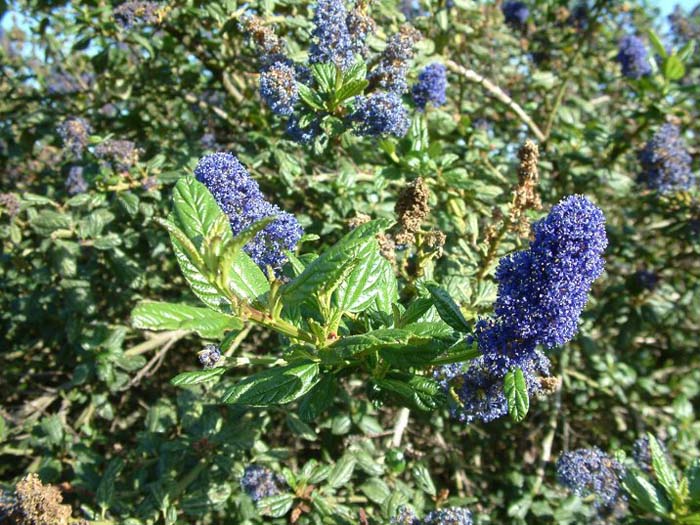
column 108, row 294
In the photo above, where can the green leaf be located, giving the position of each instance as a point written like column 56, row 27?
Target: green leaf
column 319, row 399
column 673, row 68
column 448, row 309
column 342, row 471
column 194, row 208
column 300, row 428
column 422, row 476
column 351, row 89
column 515, row 389
column 150, row 315
column 105, row 490
column 332, row 263
column 325, row 76
column 657, row 44
column 274, row 386
column 246, row 279
column 366, row 281
column 644, row 494
column 417, row 392
column 48, row 221
column 693, row 475
column 310, row 97
column 686, row 52
column 663, row 470
column 198, row 376
column 276, row 506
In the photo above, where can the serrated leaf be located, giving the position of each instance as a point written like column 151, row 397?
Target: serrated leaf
column 151, row 315
column 448, row 309
column 325, row 76
column 275, row 386
column 351, row 89
column 276, row 506
column 105, row 490
column 342, row 471
column 663, row 470
column 197, row 376
column 417, row 392
column 309, row 96
column 645, row 494
column 423, row 479
column 331, row 263
column 515, row 389
column 320, row 398
column 366, row 281
column 195, row 210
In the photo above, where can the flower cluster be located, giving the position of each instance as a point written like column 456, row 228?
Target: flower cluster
column 332, row 40
column 541, row 294
column 515, row 14
column 10, row 203
column 75, row 182
column 448, row 516
column 390, row 73
column 666, row 162
column 278, row 87
column 641, row 453
column 591, row 471
column 240, row 198
column 132, row 13
column 75, row 133
column 339, row 37
column 36, row 504
column 431, row 86
column 260, row 482
column 633, row 57
column 381, row 113
column 209, row 356
column 120, row 155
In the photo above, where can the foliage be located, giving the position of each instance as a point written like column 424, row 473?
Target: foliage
column 160, row 366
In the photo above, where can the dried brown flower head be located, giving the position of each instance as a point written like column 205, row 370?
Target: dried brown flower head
column 412, row 209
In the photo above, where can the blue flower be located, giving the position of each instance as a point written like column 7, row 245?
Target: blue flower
column 449, row 516
column 303, row 134
column 120, row 155
column 633, row 57
column 131, row 13
column 479, row 389
column 380, row 114
column 260, row 482
column 75, row 132
column 591, row 471
column 209, row 356
column 515, row 14
column 360, row 25
column 240, row 198
column 666, row 162
column 431, row 86
column 543, row 290
column 278, row 88
column 75, row 182
column 390, row 72
column 405, row 516
column 332, row 40
column 641, row 453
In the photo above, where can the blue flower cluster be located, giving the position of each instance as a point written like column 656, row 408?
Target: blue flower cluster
column 119, row 155
column 75, row 182
column 431, row 86
column 240, row 198
column 448, row 516
column 381, row 113
column 75, row 132
column 541, row 294
column 641, row 453
column 515, row 14
column 260, row 482
column 591, row 471
column 390, row 73
column 332, row 40
column 666, row 162
column 339, row 37
column 633, row 57
column 132, row 13
column 278, row 87
column 209, row 356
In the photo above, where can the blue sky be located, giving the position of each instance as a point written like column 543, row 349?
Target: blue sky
column 666, row 6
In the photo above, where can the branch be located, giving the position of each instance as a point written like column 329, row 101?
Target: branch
column 497, row 92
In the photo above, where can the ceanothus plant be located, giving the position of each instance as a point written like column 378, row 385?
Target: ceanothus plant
column 339, row 311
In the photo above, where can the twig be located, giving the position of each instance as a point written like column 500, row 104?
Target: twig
column 400, row 427
column 155, row 342
column 498, row 93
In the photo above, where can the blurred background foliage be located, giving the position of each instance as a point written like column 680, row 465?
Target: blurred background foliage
column 86, row 399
